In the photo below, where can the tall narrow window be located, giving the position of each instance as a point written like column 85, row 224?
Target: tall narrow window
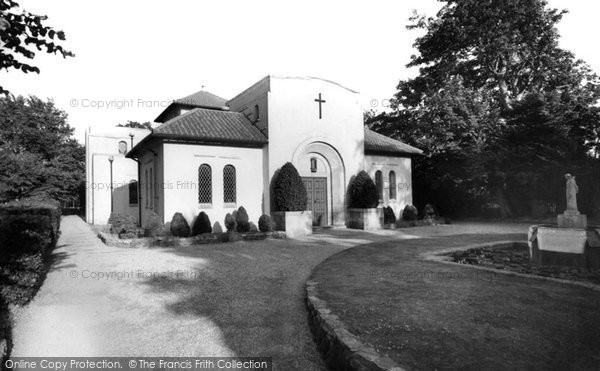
column 229, row 184
column 256, row 113
column 379, row 184
column 204, row 184
column 151, row 188
column 133, row 192
column 392, row 185
column 146, row 193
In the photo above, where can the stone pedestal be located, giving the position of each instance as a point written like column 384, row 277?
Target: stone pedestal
column 572, row 220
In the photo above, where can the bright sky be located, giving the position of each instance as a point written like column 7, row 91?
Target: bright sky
column 137, row 55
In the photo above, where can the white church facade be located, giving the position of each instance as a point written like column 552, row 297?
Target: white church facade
column 215, row 155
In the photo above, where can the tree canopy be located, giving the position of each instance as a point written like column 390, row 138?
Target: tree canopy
column 500, row 110
column 22, row 34
column 38, row 154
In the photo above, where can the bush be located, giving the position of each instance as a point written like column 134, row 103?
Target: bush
column 410, row 213
column 230, row 222
column 153, row 226
column 242, row 221
column 122, row 224
column 179, row 226
column 28, row 226
column 362, row 192
column 266, row 224
column 201, row 225
column 389, row 217
column 429, row 212
column 289, row 193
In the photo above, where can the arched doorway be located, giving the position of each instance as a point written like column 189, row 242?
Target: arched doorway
column 323, row 172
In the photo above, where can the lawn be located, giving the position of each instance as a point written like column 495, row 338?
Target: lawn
column 428, row 315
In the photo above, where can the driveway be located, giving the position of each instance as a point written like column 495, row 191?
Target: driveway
column 238, row 299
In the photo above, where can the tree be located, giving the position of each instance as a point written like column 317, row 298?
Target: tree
column 289, row 193
column 136, row 125
column 20, row 33
column 38, row 155
column 497, row 106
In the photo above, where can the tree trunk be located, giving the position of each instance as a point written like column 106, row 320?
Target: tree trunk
column 502, row 200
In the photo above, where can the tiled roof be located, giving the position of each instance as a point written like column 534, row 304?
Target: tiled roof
column 377, row 143
column 203, row 99
column 207, row 125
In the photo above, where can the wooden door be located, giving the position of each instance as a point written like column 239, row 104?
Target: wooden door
column 316, row 191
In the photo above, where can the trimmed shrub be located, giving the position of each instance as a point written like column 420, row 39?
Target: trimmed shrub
column 123, row 225
column 230, row 222
column 231, row 236
column 289, row 193
column 410, row 213
column 266, row 224
column 242, row 221
column 201, row 224
column 28, row 226
column 362, row 192
column 389, row 217
column 153, row 226
column 179, row 226
column 429, row 212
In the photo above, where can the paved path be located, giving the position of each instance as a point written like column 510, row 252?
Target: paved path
column 77, row 314
column 243, row 298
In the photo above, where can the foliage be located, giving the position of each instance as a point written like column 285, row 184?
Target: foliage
column 179, row 226
column 289, row 193
column 230, row 223
column 123, row 225
column 389, row 217
column 39, row 158
column 499, row 109
column 266, row 224
column 20, row 32
column 201, row 224
column 136, row 125
column 362, row 192
column 153, row 225
column 242, row 221
column 410, row 213
column 28, row 226
column 429, row 212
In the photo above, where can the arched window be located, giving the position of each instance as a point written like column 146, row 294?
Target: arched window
column 379, row 184
column 122, row 147
column 392, row 185
column 229, row 184
column 133, row 192
column 256, row 113
column 205, row 184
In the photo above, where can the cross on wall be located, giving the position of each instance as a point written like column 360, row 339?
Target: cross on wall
column 320, row 101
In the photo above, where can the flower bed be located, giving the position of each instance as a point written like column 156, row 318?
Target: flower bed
column 515, row 258
column 171, row 241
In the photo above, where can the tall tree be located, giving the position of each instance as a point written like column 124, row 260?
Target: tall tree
column 497, row 93
column 38, row 154
column 21, row 32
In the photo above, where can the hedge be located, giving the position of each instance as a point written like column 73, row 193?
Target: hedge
column 28, row 226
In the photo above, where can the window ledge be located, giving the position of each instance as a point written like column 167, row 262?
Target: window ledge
column 205, row 206
column 230, row 205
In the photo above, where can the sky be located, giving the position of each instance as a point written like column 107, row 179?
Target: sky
column 133, row 57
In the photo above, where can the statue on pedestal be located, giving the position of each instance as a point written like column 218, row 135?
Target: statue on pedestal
column 572, row 191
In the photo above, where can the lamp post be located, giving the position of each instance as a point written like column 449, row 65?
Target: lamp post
column 111, row 159
column 131, row 136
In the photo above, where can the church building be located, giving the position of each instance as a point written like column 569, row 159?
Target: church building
column 214, row 155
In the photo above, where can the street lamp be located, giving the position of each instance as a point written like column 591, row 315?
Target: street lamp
column 131, row 136
column 111, row 159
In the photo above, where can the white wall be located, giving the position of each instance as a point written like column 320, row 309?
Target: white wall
column 181, row 180
column 294, row 124
column 402, row 167
column 100, row 145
